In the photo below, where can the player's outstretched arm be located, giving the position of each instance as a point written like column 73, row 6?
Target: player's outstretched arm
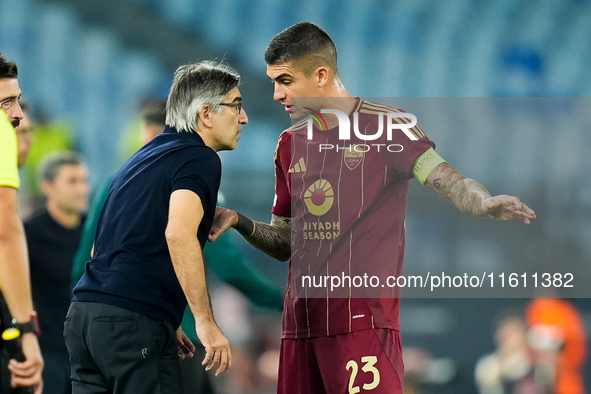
column 273, row 239
column 470, row 197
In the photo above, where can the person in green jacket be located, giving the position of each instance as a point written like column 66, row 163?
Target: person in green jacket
column 223, row 258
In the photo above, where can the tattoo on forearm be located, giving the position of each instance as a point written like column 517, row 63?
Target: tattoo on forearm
column 466, row 194
column 273, row 239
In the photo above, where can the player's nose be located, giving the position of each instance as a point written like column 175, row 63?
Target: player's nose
column 279, row 93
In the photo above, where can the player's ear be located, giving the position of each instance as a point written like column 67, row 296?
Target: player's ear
column 204, row 116
column 322, row 75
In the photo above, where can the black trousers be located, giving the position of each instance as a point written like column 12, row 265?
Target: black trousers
column 113, row 350
column 195, row 379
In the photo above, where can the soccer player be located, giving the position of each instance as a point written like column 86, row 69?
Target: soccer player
column 346, row 205
column 148, row 254
column 14, row 265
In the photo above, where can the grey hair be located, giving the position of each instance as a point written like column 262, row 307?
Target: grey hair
column 193, row 87
column 51, row 164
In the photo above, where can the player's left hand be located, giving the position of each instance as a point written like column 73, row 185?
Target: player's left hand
column 507, row 208
column 186, row 347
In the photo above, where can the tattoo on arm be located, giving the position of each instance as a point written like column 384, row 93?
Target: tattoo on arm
column 466, row 194
column 273, row 239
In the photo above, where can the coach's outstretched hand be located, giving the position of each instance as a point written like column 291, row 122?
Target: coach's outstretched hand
column 217, row 348
column 223, row 220
column 507, row 208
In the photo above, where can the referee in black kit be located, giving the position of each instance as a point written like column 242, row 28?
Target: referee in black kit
column 122, row 329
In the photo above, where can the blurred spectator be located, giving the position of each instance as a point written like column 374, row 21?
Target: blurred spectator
column 50, row 136
column 558, row 338
column 153, row 119
column 424, row 373
column 53, row 236
column 509, row 370
column 222, row 257
column 268, row 361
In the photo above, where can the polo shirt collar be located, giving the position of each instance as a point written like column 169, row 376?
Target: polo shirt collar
column 172, row 130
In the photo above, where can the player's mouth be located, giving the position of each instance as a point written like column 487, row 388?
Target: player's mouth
column 287, row 108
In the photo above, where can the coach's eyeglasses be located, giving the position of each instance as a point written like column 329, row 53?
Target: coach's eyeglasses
column 238, row 106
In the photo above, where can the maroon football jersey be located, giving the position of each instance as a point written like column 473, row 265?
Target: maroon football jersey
column 347, row 201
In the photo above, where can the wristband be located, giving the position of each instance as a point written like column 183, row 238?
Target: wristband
column 245, row 226
column 27, row 327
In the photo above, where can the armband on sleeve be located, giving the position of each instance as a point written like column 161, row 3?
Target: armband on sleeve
column 425, row 164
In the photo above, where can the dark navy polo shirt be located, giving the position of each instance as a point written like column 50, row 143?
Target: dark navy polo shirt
column 131, row 268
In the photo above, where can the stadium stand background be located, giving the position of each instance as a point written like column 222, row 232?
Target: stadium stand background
column 91, row 62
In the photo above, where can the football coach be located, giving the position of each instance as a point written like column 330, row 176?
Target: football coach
column 122, row 329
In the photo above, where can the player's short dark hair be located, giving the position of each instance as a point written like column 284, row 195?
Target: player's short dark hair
column 8, row 69
column 305, row 44
column 154, row 112
column 52, row 162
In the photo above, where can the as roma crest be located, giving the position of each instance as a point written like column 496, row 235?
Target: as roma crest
column 353, row 157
